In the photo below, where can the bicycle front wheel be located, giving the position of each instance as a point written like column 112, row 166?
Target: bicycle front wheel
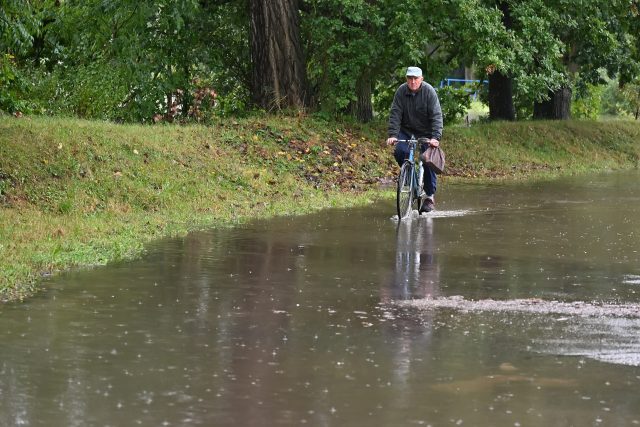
column 404, row 196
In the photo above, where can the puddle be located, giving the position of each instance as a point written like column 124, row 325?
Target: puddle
column 295, row 320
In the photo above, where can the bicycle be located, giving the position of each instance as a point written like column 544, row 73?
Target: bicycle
column 409, row 181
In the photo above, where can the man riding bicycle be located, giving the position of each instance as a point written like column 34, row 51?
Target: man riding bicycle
column 416, row 111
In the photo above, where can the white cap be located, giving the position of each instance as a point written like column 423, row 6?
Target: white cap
column 414, row 72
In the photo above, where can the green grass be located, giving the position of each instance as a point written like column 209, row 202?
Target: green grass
column 512, row 150
column 77, row 193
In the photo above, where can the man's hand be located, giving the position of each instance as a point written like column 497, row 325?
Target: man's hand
column 392, row 140
column 434, row 142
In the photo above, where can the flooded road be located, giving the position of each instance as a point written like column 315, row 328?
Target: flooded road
column 512, row 305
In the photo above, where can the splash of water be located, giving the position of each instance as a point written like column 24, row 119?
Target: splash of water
column 434, row 214
column 528, row 305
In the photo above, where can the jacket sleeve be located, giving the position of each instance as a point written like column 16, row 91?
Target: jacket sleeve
column 436, row 115
column 395, row 115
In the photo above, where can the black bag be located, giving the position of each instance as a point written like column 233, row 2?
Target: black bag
column 434, row 159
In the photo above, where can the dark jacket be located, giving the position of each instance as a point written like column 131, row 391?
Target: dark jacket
column 416, row 113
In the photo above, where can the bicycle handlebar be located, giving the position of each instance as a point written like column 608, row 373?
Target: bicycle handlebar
column 424, row 140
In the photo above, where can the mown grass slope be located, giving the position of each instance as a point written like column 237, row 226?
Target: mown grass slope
column 81, row 193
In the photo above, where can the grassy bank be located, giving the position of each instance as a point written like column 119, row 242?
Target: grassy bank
column 78, row 193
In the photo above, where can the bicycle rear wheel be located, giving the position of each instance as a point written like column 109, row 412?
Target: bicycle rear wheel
column 404, row 195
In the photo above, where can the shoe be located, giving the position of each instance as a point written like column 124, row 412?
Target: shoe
column 427, row 205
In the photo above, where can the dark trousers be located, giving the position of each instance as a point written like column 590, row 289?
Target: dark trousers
column 402, row 152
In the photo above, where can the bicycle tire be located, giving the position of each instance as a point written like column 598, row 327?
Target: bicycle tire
column 405, row 191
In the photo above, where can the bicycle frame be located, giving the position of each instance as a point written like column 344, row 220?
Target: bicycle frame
column 409, row 179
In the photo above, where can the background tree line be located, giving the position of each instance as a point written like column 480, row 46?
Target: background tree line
column 194, row 59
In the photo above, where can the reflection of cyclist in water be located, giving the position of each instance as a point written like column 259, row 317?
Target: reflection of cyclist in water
column 416, row 273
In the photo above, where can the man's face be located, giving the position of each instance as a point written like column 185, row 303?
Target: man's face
column 414, row 83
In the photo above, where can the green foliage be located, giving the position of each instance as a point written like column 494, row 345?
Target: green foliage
column 612, row 100
column 234, row 103
column 548, row 44
column 631, row 95
column 18, row 23
column 136, row 61
column 623, row 101
column 335, row 30
column 454, row 101
column 356, row 43
column 535, row 67
column 90, row 91
column 594, row 36
column 8, row 79
column 587, row 103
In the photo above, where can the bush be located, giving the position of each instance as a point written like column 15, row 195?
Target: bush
column 93, row 92
column 455, row 102
column 12, row 86
column 587, row 103
column 618, row 101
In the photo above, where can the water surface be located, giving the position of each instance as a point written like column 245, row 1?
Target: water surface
column 341, row 319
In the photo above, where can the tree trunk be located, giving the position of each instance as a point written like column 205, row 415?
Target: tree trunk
column 501, row 97
column 278, row 78
column 501, row 86
column 362, row 109
column 557, row 107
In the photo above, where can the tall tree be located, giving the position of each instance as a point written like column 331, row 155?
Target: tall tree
column 629, row 75
column 500, row 97
column 557, row 106
column 278, row 76
column 344, row 54
column 358, row 50
column 595, row 37
column 629, row 21
column 520, row 55
column 500, row 84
